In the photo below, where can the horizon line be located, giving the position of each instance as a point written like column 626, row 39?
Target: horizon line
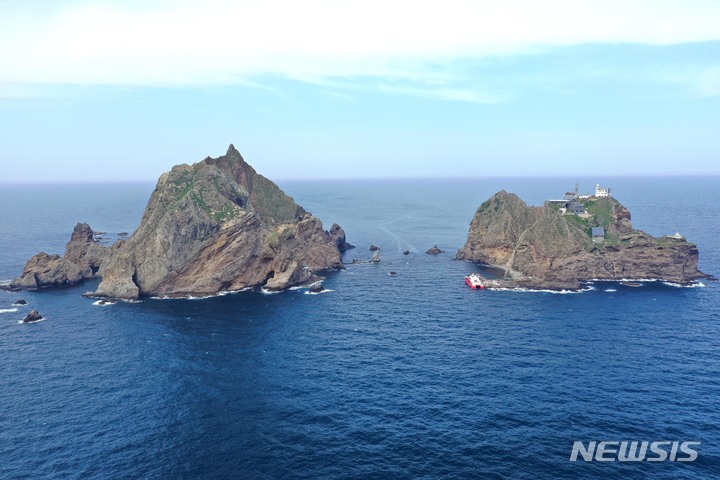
column 346, row 179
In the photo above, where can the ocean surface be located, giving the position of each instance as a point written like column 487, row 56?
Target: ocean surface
column 413, row 376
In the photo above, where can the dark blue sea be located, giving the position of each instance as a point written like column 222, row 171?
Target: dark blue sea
column 413, row 376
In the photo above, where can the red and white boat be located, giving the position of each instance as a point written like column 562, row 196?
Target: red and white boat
column 475, row 281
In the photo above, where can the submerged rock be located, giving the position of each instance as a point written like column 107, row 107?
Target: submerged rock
column 542, row 248
column 406, row 252
column 318, row 288
column 33, row 316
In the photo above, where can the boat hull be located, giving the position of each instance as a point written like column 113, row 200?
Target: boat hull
column 473, row 285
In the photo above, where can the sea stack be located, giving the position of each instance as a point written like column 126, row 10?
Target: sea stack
column 82, row 260
column 215, row 226
column 558, row 247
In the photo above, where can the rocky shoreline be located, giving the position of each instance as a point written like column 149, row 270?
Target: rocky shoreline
column 218, row 226
column 210, row 227
column 541, row 248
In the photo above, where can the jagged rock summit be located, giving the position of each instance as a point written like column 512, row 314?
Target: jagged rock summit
column 213, row 226
column 545, row 247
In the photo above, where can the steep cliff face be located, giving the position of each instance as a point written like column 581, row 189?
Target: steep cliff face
column 218, row 225
column 85, row 252
column 542, row 248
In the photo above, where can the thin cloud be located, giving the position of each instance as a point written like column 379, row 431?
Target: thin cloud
column 411, row 48
column 699, row 81
column 446, row 93
column 221, row 42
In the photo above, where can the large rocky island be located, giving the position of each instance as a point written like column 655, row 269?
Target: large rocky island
column 563, row 243
column 213, row 226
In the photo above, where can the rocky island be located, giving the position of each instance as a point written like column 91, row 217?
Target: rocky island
column 565, row 242
column 213, row 226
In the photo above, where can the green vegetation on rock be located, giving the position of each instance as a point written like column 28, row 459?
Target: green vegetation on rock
column 602, row 210
column 542, row 248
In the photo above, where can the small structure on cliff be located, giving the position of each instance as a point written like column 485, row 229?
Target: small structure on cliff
column 598, row 234
column 602, row 192
column 553, row 251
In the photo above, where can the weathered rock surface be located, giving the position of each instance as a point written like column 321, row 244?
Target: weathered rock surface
column 338, row 235
column 33, row 316
column 83, row 259
column 43, row 270
column 434, row 251
column 542, row 248
column 85, row 252
column 218, row 225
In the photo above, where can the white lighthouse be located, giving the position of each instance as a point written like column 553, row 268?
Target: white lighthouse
column 601, row 192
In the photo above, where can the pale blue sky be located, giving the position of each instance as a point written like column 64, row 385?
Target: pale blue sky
column 116, row 91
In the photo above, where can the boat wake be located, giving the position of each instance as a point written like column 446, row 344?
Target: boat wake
column 400, row 242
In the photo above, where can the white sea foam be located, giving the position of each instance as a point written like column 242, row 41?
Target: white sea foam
column 8, row 310
column 680, row 285
column 610, row 290
column 200, row 297
column 533, row 290
column 265, row 291
column 306, row 285
column 636, row 280
column 104, row 303
column 651, row 280
column 34, row 321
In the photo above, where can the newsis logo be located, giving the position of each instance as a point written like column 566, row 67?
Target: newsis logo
column 633, row 451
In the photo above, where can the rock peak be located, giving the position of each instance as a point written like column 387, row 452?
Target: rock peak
column 219, row 225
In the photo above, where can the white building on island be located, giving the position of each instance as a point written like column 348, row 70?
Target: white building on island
column 602, row 192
